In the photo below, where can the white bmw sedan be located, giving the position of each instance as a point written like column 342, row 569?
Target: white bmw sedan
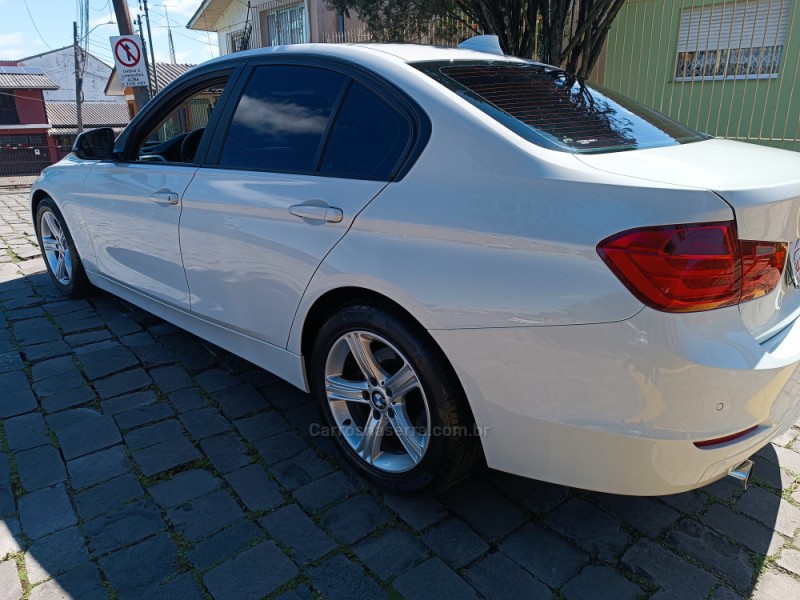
column 457, row 253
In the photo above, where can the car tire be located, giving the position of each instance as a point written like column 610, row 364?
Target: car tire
column 58, row 251
column 417, row 436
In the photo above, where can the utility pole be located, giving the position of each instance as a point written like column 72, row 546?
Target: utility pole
column 150, row 39
column 78, row 80
column 144, row 53
column 141, row 94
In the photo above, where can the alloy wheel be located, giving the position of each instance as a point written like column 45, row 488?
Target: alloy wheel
column 55, row 247
column 377, row 401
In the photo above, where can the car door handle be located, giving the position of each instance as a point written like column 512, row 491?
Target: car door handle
column 330, row 214
column 165, row 196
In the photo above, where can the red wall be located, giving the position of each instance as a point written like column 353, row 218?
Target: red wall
column 30, row 107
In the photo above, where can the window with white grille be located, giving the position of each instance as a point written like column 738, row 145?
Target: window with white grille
column 284, row 25
column 236, row 41
column 733, row 40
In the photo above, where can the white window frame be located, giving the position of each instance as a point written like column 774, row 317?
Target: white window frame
column 710, row 36
column 296, row 15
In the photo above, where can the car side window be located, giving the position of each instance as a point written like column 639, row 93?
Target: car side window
column 368, row 139
column 281, row 118
column 177, row 136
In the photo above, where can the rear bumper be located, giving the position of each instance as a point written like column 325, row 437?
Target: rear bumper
column 617, row 407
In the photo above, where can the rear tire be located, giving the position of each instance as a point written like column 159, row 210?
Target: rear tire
column 58, row 251
column 391, row 401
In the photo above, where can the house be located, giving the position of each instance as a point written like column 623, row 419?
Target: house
column 240, row 25
column 97, row 109
column 25, row 147
column 728, row 67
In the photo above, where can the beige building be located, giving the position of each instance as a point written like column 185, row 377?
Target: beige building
column 241, row 25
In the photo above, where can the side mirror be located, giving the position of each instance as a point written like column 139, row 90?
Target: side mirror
column 95, row 144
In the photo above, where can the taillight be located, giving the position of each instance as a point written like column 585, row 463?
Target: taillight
column 688, row 268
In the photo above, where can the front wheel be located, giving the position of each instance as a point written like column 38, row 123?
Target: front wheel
column 391, row 401
column 58, row 250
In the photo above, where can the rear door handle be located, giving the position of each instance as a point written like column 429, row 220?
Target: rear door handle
column 329, row 214
column 164, row 196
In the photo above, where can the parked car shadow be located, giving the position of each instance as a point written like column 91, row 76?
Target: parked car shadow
column 687, row 545
column 492, row 534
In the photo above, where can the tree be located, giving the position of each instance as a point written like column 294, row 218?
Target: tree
column 566, row 33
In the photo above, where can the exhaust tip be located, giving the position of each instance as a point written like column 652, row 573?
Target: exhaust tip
column 742, row 472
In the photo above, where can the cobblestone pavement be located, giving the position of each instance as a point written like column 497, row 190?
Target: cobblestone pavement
column 140, row 462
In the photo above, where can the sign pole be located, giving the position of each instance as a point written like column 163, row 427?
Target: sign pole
column 152, row 51
column 138, row 21
column 141, row 94
column 78, row 81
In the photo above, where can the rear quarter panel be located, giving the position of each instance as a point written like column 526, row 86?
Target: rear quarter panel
column 488, row 231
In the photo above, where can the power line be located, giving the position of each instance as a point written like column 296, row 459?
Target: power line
column 30, row 16
column 209, row 43
column 27, row 99
column 188, row 37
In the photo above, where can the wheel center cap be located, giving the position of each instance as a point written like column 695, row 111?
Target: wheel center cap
column 378, row 401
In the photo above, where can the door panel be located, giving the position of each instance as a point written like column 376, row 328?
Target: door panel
column 255, row 229
column 133, row 206
column 248, row 257
column 134, row 225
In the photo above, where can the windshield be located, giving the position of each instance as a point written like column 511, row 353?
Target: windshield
column 553, row 109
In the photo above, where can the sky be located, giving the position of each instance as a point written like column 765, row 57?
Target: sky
column 29, row 27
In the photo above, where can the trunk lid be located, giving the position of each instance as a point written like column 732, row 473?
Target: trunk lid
column 762, row 186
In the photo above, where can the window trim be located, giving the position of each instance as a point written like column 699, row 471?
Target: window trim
column 387, row 91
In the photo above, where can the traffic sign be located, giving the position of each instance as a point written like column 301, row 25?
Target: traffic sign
column 128, row 58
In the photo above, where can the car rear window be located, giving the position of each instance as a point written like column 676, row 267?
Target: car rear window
column 553, row 109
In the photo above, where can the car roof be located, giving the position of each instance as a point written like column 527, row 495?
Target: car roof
column 407, row 53
column 419, row 52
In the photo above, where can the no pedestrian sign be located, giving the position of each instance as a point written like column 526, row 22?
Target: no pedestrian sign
column 128, row 58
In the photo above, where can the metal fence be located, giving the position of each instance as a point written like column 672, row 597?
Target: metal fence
column 23, row 159
column 729, row 68
column 444, row 31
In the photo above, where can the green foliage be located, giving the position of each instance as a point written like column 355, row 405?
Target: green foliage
column 567, row 33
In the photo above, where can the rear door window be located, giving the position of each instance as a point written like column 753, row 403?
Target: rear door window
column 281, row 119
column 368, row 139
column 553, row 109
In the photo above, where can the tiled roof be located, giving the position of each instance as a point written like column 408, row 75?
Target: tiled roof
column 167, row 73
column 95, row 114
column 74, row 130
column 25, row 78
